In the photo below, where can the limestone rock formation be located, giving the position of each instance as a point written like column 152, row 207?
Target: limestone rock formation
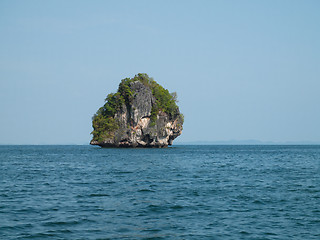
column 141, row 114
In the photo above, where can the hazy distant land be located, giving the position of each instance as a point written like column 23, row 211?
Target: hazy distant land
column 247, row 142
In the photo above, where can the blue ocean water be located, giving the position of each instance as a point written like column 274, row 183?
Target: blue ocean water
column 183, row 192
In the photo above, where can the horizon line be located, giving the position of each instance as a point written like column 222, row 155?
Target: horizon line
column 230, row 142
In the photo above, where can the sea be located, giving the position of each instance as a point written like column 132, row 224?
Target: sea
column 181, row 192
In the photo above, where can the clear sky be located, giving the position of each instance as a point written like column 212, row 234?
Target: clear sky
column 242, row 69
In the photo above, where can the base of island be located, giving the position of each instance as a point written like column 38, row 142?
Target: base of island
column 128, row 145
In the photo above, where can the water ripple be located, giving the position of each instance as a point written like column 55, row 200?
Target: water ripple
column 185, row 192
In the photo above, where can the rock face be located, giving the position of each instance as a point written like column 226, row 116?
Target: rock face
column 140, row 121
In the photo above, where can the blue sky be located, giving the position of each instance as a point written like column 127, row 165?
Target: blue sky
column 242, row 69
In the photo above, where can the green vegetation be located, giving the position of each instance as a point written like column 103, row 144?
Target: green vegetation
column 165, row 101
column 103, row 127
column 103, row 121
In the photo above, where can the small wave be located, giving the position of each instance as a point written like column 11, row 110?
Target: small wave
column 244, row 232
column 60, row 231
column 195, row 193
column 123, row 230
column 270, row 234
column 177, row 207
column 109, row 182
column 122, row 172
column 66, row 223
column 38, row 235
column 145, row 190
column 151, row 230
column 16, row 227
column 59, row 223
column 156, row 208
column 311, row 190
column 258, row 202
column 27, row 210
column 99, row 195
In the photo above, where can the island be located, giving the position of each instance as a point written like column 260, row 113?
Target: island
column 140, row 114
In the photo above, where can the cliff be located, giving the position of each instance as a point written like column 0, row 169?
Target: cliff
column 141, row 114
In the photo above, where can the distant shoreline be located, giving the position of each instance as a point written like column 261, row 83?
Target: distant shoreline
column 246, row 143
column 191, row 143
